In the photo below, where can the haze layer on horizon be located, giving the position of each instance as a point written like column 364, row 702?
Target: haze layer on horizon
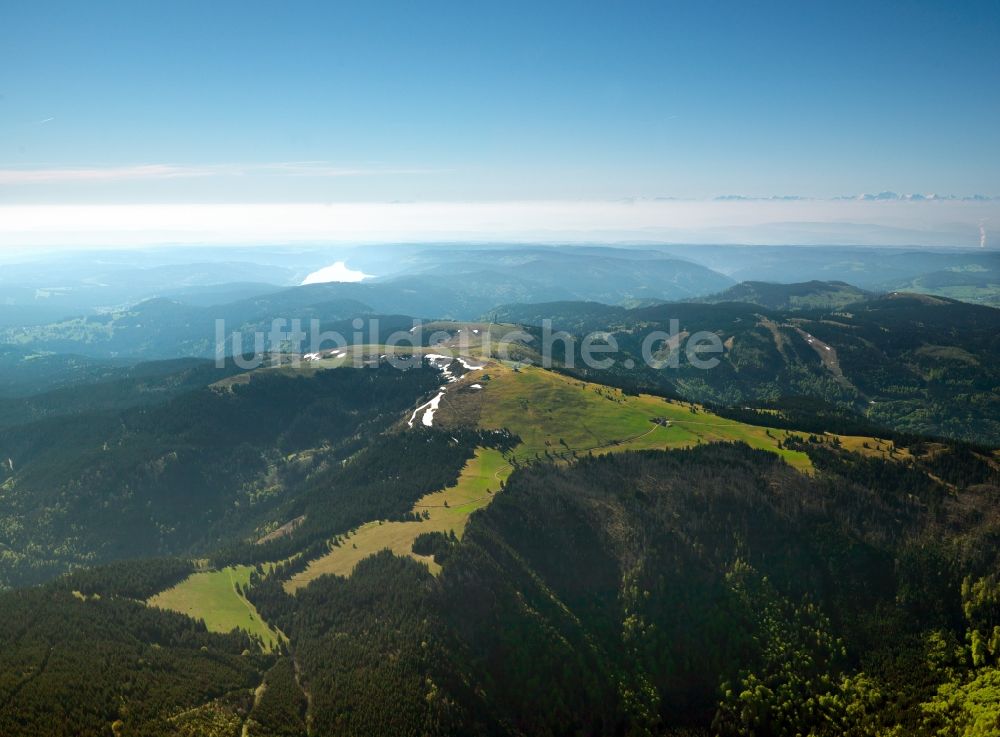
column 806, row 222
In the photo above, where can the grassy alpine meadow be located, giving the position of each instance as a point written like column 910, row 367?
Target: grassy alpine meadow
column 447, row 510
column 559, row 416
column 212, row 597
column 556, row 417
column 553, row 415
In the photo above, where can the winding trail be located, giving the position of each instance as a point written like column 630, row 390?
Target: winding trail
column 309, row 699
column 706, row 424
column 258, row 694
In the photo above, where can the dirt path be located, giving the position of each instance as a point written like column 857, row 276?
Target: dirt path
column 305, row 691
column 257, row 695
column 705, row 424
column 616, row 443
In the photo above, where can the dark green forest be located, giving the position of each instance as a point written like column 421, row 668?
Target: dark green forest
column 73, row 668
column 902, row 362
column 711, row 591
column 179, row 476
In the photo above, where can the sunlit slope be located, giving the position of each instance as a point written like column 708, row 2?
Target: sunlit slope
column 558, row 416
column 212, row 596
column 555, row 417
column 442, row 511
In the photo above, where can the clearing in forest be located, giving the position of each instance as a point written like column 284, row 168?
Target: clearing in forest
column 442, row 511
column 212, row 596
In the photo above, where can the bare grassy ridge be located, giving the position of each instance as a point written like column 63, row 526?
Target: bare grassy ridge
column 557, row 418
column 553, row 415
column 558, row 415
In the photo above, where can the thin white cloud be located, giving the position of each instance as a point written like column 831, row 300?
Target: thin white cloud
column 325, row 169
column 98, row 174
column 321, row 169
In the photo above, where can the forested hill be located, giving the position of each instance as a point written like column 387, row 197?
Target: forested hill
column 558, row 565
column 113, row 388
column 801, row 296
column 183, row 475
column 706, row 592
column 713, row 590
column 904, row 361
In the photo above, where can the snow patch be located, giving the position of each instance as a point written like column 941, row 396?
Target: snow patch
column 441, row 362
column 428, row 408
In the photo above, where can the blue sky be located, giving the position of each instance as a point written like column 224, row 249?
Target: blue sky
column 111, row 104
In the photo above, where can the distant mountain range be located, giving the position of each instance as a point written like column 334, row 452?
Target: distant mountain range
column 465, row 281
column 926, row 364
column 806, row 295
column 450, row 283
column 902, row 359
column 445, row 284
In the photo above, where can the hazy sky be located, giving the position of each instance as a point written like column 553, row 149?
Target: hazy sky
column 179, row 103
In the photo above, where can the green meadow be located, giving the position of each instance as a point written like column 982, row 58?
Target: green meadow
column 442, row 511
column 557, row 415
column 212, row 597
